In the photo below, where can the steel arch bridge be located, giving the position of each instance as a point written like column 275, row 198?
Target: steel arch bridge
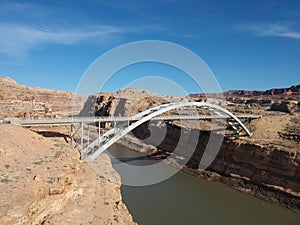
column 104, row 141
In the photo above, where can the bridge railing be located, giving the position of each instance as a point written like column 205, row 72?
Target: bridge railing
column 77, row 120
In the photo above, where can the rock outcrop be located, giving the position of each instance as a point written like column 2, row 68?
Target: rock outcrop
column 125, row 102
column 286, row 106
column 21, row 101
column 43, row 181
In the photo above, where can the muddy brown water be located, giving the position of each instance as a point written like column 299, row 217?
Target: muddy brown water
column 187, row 200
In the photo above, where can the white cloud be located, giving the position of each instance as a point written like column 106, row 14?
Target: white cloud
column 17, row 40
column 272, row 30
column 18, row 6
column 34, row 26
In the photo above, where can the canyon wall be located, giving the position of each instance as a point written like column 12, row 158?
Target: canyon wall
column 259, row 162
column 21, row 101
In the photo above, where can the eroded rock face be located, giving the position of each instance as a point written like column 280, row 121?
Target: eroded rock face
column 43, row 181
column 262, row 165
column 272, row 165
column 125, row 102
column 286, row 106
column 21, row 101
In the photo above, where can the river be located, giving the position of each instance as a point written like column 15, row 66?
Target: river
column 187, row 200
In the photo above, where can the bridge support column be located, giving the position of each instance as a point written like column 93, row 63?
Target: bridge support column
column 81, row 138
column 73, row 132
column 99, row 134
column 88, row 134
column 72, row 142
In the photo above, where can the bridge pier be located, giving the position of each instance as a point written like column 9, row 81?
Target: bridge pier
column 79, row 132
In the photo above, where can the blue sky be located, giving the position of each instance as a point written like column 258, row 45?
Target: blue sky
column 247, row 44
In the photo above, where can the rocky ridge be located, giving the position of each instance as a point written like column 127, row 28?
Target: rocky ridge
column 289, row 92
column 21, row 101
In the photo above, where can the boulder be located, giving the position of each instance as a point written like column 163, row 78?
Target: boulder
column 285, row 106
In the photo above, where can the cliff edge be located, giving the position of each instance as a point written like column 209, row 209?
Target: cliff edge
column 43, row 181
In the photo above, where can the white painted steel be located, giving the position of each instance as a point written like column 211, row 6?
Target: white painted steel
column 111, row 136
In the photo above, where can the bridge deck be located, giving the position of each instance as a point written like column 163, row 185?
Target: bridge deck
column 77, row 120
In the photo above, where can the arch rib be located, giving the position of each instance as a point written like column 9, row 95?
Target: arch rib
column 113, row 135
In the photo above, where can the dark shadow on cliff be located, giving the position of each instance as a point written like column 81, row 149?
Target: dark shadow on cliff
column 51, row 134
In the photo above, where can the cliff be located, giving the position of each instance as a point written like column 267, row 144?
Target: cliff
column 21, row 101
column 125, row 102
column 42, row 181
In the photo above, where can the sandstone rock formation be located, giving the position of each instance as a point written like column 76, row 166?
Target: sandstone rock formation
column 122, row 103
column 43, row 181
column 125, row 102
column 21, row 101
column 286, row 106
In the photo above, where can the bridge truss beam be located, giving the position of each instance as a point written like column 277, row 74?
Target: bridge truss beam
column 104, row 141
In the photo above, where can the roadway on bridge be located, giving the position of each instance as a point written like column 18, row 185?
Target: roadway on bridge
column 92, row 119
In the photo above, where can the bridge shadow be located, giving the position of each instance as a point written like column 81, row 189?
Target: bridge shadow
column 131, row 159
column 134, row 161
column 171, row 143
column 52, row 134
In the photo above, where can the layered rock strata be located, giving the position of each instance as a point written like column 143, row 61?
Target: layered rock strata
column 21, row 101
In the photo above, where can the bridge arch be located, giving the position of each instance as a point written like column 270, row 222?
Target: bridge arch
column 110, row 137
